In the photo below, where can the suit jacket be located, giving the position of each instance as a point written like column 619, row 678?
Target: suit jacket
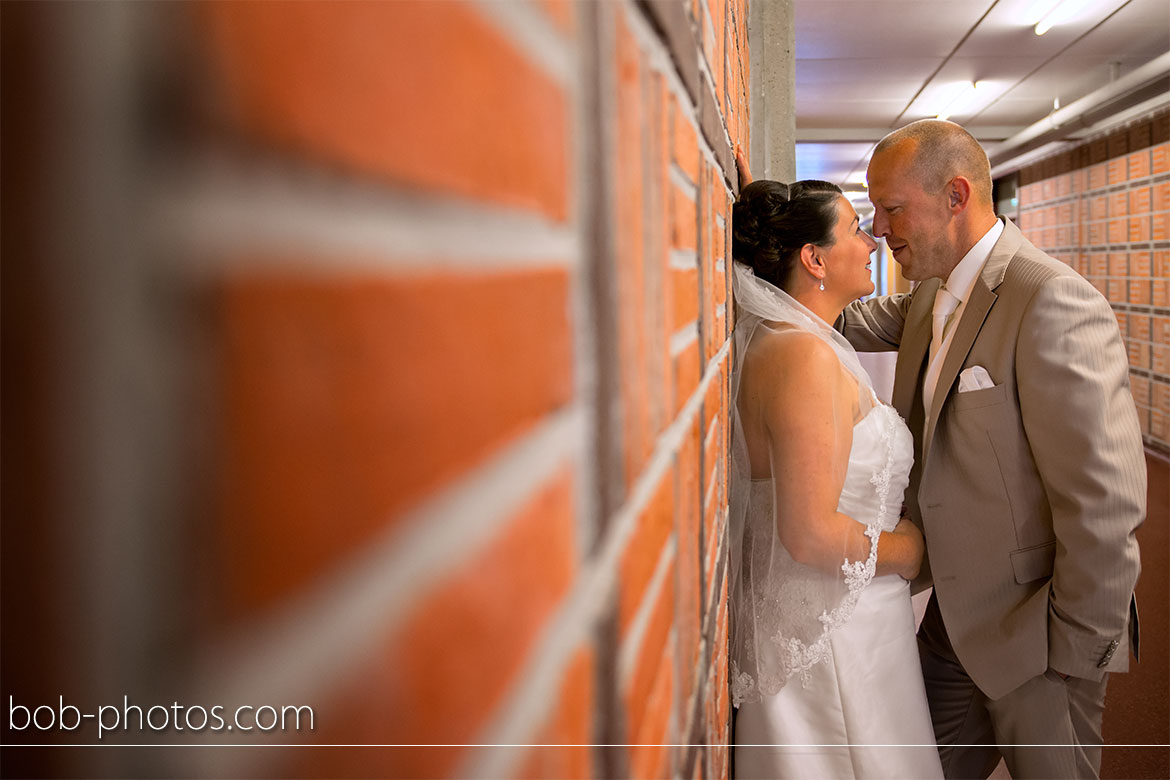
column 1029, row 493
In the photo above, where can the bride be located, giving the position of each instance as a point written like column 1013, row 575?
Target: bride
column 824, row 663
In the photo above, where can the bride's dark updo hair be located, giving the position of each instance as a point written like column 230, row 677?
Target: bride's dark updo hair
column 771, row 221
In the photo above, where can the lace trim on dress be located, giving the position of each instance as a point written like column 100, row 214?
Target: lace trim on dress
column 796, row 658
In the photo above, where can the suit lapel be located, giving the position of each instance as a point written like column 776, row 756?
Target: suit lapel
column 968, row 327
column 913, row 349
column 982, row 298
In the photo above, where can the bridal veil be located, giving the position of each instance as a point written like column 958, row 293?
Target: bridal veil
column 782, row 612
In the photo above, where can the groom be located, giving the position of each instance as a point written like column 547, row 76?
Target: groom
column 1029, row 477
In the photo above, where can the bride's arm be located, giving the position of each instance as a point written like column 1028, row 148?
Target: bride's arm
column 807, row 405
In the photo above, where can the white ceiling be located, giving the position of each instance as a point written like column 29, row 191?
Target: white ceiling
column 865, row 67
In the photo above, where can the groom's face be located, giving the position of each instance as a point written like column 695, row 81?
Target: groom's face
column 914, row 222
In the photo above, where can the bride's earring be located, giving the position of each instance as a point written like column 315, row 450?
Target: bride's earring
column 822, row 285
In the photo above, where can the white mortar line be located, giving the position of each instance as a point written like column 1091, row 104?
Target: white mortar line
column 708, row 443
column 527, row 706
column 680, row 341
column 711, row 429
column 222, row 210
column 683, row 259
column 701, row 51
column 628, row 653
column 680, row 179
column 697, row 673
column 709, row 153
column 534, row 34
column 658, row 56
column 714, row 95
column 719, row 555
column 715, row 34
column 296, row 653
column 709, row 496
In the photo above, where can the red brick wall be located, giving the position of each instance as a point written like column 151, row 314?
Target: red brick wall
column 1109, row 218
column 437, row 303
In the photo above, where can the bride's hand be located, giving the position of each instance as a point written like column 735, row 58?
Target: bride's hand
column 741, row 167
column 917, row 547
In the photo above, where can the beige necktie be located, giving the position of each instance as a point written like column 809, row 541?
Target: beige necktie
column 944, row 309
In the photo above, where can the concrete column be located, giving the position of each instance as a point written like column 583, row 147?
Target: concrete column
column 772, row 42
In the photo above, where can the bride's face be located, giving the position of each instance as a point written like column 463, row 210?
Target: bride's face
column 847, row 261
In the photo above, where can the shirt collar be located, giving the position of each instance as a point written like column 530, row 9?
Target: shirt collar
column 963, row 276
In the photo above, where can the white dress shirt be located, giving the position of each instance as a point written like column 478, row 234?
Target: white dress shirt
column 959, row 284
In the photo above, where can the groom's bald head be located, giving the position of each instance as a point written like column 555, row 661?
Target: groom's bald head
column 938, row 151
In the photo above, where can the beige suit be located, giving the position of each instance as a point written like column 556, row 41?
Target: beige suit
column 1029, row 492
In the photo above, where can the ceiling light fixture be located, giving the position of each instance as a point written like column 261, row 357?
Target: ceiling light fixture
column 1047, row 22
column 1068, row 10
column 963, row 100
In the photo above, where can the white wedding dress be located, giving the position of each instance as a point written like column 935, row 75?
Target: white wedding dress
column 862, row 712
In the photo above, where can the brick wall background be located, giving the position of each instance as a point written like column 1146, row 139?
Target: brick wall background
column 1104, row 209
column 372, row 356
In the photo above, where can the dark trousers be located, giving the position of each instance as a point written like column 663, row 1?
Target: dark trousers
column 1062, row 718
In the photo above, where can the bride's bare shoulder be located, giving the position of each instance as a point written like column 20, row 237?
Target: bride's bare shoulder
column 788, row 350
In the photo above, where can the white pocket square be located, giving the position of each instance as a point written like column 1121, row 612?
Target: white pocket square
column 974, row 378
